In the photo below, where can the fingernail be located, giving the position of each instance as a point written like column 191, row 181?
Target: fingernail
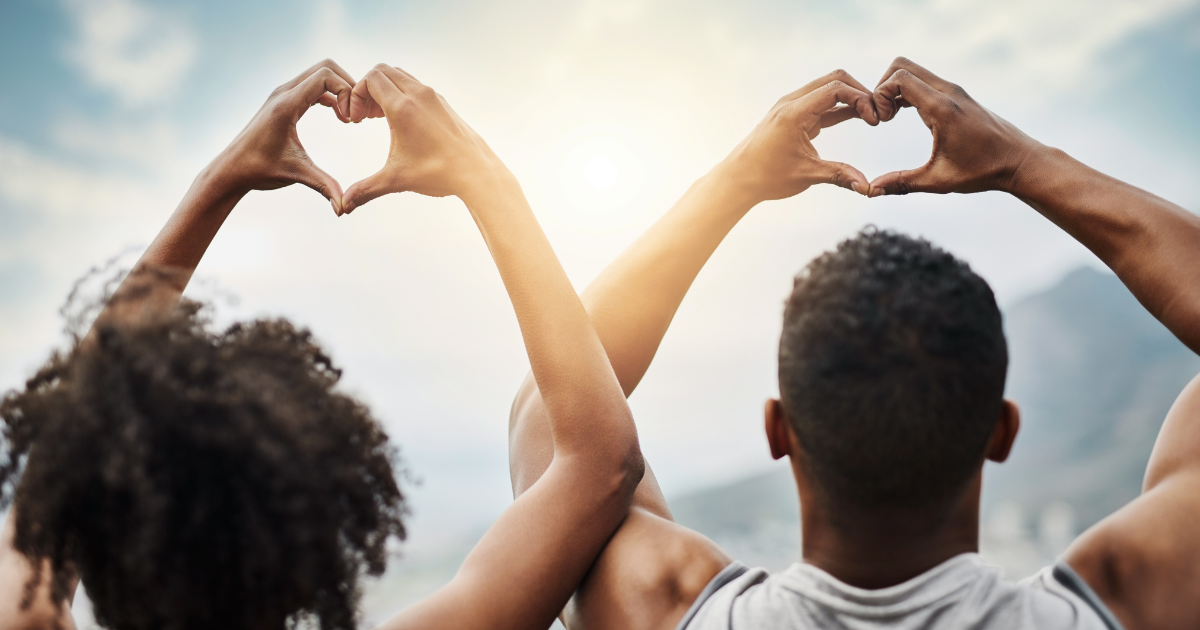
column 855, row 188
column 334, row 204
column 876, row 192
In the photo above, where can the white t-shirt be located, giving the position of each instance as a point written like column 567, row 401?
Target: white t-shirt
column 962, row 593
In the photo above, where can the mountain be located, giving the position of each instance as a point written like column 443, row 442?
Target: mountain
column 1094, row 375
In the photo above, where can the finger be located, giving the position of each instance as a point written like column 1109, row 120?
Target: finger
column 361, row 102
column 363, row 191
column 836, row 75
column 324, row 81
column 831, row 118
column 903, row 182
column 324, row 63
column 812, row 106
column 332, row 66
column 838, row 115
column 366, row 95
column 311, row 175
column 403, row 80
column 914, row 91
column 330, row 101
column 844, row 176
column 933, row 80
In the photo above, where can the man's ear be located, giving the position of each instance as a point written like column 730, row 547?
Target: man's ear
column 778, row 428
column 1005, row 432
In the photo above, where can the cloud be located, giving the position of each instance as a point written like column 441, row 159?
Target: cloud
column 142, row 144
column 1038, row 47
column 53, row 187
column 136, row 52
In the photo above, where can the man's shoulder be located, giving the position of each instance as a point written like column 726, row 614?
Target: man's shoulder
column 1133, row 560
column 679, row 562
column 648, row 576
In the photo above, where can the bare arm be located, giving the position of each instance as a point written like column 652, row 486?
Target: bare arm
column 525, row 567
column 1144, row 560
column 266, row 155
column 653, row 569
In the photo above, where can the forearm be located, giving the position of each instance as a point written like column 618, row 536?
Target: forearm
column 1152, row 244
column 167, row 265
column 183, row 240
column 581, row 395
column 632, row 302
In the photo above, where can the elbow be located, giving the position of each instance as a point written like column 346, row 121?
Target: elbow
column 612, row 473
column 632, row 470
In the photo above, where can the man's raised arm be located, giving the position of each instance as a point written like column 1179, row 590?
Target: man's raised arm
column 632, row 304
column 1144, row 560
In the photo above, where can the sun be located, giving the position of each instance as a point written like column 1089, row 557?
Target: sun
column 600, row 169
column 600, row 172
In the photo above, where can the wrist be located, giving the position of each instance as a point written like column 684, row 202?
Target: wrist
column 1035, row 165
column 486, row 181
column 222, row 179
column 727, row 186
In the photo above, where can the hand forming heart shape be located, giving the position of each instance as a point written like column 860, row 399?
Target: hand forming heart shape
column 973, row 149
column 434, row 152
column 267, row 154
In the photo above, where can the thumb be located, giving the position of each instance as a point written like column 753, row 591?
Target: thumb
column 365, row 190
column 844, row 176
column 903, row 182
column 312, row 176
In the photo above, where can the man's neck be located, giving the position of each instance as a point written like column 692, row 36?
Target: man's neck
column 887, row 547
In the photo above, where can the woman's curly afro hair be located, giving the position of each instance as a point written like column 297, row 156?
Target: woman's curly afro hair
column 195, row 478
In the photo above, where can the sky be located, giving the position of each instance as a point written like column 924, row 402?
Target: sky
column 606, row 111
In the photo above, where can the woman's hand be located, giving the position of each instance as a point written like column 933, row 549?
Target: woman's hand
column 267, row 154
column 433, row 151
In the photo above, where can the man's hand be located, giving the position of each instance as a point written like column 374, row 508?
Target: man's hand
column 433, row 151
column 267, row 154
column 973, row 149
column 777, row 160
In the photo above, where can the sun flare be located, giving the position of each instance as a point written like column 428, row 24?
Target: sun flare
column 601, row 173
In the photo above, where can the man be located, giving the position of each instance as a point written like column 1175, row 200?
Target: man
column 891, row 375
column 200, row 479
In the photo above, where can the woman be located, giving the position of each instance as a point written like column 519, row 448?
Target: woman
column 194, row 478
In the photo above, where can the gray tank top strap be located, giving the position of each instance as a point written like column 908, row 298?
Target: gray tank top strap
column 728, row 574
column 1065, row 575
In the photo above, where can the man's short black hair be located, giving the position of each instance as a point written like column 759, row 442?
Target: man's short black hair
column 891, row 371
column 199, row 478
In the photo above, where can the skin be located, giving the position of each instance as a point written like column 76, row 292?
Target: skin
column 1143, row 561
column 525, row 567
